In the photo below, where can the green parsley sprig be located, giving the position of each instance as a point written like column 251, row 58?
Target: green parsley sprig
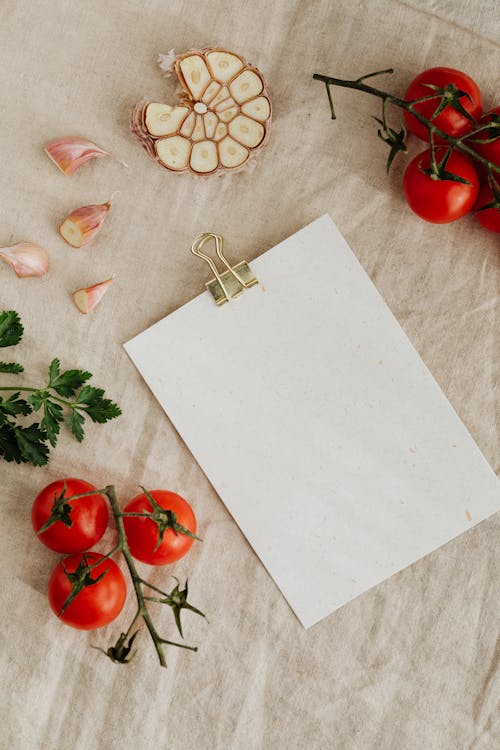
column 67, row 398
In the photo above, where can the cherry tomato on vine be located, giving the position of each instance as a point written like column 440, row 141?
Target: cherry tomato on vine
column 489, row 218
column 96, row 604
column 143, row 534
column 449, row 120
column 440, row 201
column 490, row 151
column 78, row 524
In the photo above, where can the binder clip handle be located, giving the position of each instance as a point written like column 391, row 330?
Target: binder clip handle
column 233, row 280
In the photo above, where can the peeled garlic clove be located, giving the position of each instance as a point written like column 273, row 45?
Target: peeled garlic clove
column 87, row 299
column 198, row 133
column 211, row 91
column 246, row 86
column 224, row 65
column 196, row 75
column 174, row 152
column 221, row 96
column 228, row 114
column 83, row 224
column 162, row 119
column 210, row 121
column 258, row 108
column 70, row 153
column 204, row 157
column 188, row 125
column 232, row 154
column 26, row 258
column 246, row 131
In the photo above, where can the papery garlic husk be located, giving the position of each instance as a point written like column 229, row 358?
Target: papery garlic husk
column 87, row 299
column 222, row 120
column 26, row 258
column 71, row 152
column 81, row 226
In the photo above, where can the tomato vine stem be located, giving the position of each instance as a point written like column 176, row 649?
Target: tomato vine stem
column 408, row 106
column 176, row 599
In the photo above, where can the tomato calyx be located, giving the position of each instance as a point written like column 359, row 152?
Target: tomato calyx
column 495, row 190
column 450, row 97
column 61, row 511
column 164, row 519
column 81, row 578
column 491, row 131
column 437, row 169
column 177, row 600
column 120, row 651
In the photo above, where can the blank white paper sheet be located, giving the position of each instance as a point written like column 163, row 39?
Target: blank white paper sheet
column 317, row 423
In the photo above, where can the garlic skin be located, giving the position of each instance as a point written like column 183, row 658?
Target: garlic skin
column 26, row 258
column 87, row 299
column 70, row 153
column 82, row 225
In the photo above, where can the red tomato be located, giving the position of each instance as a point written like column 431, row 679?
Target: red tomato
column 449, row 120
column 440, row 201
column 490, row 217
column 490, row 151
column 142, row 533
column 88, row 516
column 95, row 605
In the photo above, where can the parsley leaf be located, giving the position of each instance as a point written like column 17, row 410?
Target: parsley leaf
column 51, row 421
column 31, row 444
column 66, row 383
column 11, row 367
column 11, row 328
column 14, row 405
column 75, row 421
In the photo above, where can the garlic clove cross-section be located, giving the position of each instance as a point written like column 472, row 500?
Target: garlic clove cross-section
column 223, row 118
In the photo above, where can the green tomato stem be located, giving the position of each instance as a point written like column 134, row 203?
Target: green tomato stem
column 385, row 96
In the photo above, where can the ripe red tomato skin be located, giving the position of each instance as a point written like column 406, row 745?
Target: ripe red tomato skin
column 440, row 201
column 490, row 217
column 142, row 533
column 449, row 120
column 95, row 606
column 490, row 151
column 89, row 517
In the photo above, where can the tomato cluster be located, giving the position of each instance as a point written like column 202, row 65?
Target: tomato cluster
column 70, row 516
column 446, row 187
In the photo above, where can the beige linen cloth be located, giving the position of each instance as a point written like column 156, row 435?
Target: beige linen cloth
column 410, row 665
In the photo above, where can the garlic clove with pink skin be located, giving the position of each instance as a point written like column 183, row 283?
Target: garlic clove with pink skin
column 26, row 258
column 71, row 152
column 87, row 299
column 81, row 226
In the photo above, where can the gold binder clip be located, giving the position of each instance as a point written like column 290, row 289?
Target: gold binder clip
column 229, row 283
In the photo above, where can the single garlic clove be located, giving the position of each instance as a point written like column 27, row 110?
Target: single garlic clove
column 26, row 259
column 81, row 226
column 68, row 154
column 204, row 157
column 246, row 131
column 246, row 86
column 211, row 91
column 220, row 132
column 188, row 125
column 87, row 299
column 174, row 152
column 224, row 65
column 210, row 120
column 198, row 133
column 226, row 104
column 196, row 74
column 259, row 108
column 232, row 154
column 221, row 96
column 162, row 119
column 228, row 114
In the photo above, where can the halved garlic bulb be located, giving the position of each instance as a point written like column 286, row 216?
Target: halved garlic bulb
column 223, row 118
